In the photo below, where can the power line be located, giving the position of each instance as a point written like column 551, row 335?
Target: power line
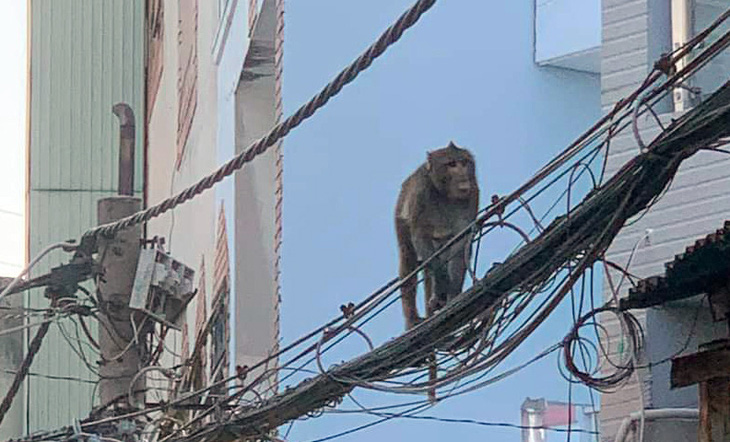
column 623, row 195
column 372, row 424
column 590, row 227
column 10, row 212
column 54, row 377
column 410, row 414
column 491, row 424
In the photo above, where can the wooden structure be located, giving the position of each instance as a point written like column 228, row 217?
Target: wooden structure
column 710, row 368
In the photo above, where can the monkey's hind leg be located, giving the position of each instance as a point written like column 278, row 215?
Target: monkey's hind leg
column 431, row 358
column 438, row 285
column 408, row 290
column 428, row 291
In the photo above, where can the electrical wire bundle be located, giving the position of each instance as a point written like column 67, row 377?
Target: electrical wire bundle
column 479, row 329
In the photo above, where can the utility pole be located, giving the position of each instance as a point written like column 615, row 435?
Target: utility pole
column 120, row 333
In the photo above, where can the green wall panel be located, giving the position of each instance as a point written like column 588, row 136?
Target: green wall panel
column 86, row 55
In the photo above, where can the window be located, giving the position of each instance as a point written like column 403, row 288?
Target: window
column 219, row 340
column 187, row 71
column 689, row 17
column 155, row 32
column 715, row 73
column 220, row 329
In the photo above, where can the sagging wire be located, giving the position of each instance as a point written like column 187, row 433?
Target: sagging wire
column 589, row 376
column 78, row 351
column 167, row 372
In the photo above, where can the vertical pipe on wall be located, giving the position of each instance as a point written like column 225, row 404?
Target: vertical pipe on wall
column 681, row 33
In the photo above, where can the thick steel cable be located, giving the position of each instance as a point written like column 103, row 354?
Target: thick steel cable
column 390, row 36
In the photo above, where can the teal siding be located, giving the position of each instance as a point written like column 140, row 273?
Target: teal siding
column 86, row 55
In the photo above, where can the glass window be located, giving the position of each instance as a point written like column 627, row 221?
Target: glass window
column 689, row 18
column 717, row 72
column 218, row 335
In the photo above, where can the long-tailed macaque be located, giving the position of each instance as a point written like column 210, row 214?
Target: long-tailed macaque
column 436, row 202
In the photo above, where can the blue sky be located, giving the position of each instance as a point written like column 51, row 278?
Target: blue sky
column 464, row 73
column 12, row 126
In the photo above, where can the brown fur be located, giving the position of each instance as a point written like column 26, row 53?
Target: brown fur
column 436, row 202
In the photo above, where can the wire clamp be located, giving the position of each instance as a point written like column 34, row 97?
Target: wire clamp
column 241, row 372
column 665, row 66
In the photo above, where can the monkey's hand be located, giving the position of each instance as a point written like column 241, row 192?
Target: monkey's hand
column 436, row 303
column 413, row 321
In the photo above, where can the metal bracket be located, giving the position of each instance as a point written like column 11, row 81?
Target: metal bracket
column 162, row 287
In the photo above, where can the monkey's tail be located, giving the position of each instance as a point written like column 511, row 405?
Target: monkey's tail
column 432, row 376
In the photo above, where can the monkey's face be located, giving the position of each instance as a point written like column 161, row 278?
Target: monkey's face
column 452, row 172
column 460, row 173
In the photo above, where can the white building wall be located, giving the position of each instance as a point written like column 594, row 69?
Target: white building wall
column 249, row 106
column 250, row 197
column 229, row 51
column 190, row 229
column 13, row 126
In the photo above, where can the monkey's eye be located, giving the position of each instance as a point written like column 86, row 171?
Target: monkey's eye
column 451, row 164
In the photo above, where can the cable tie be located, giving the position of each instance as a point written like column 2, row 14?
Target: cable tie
column 327, row 333
column 665, row 65
column 241, row 372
